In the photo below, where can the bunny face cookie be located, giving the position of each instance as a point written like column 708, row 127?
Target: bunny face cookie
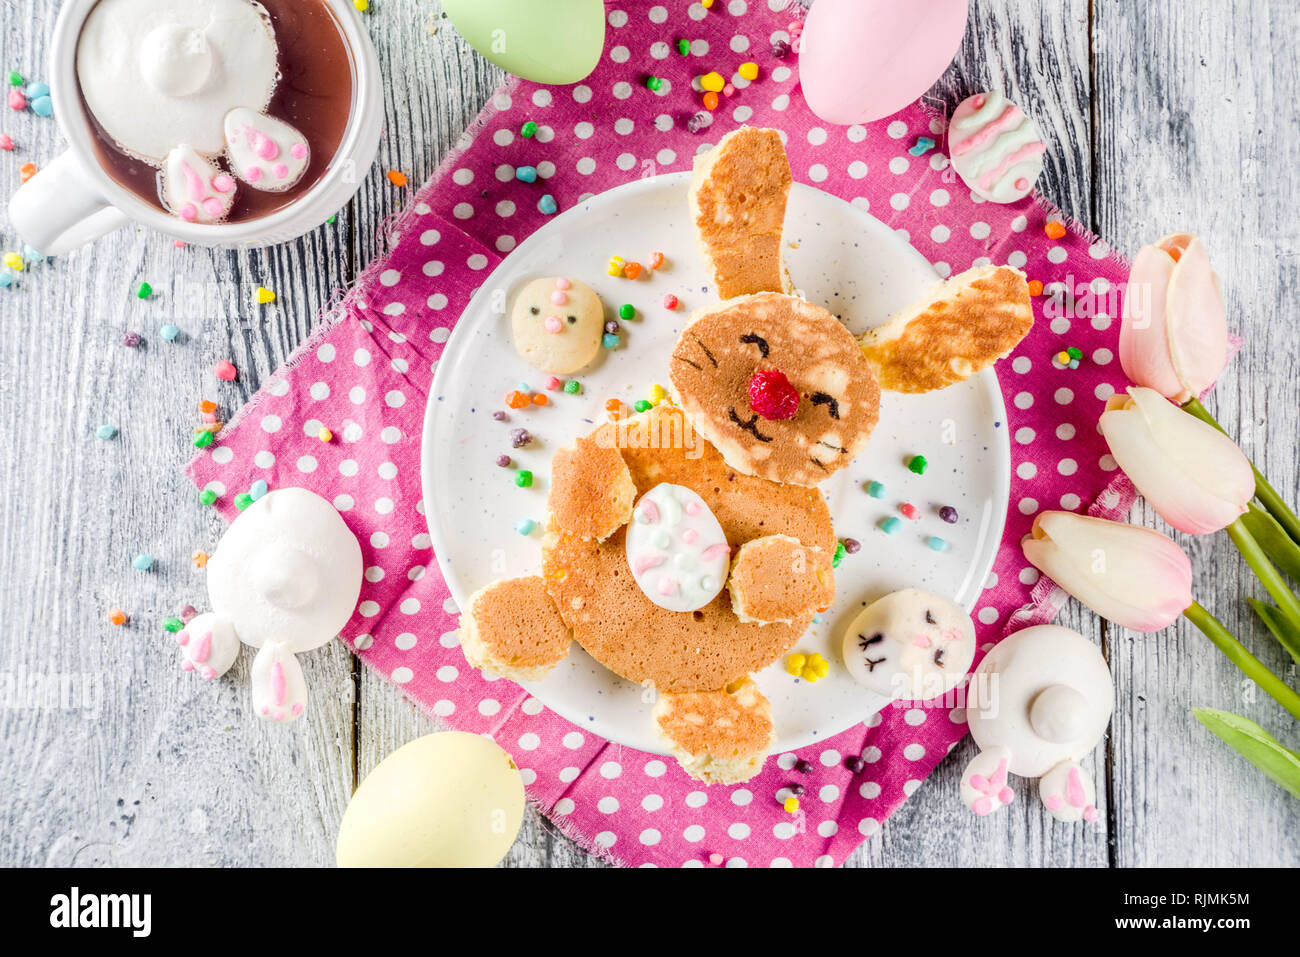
column 778, row 386
column 557, row 324
column 910, row 644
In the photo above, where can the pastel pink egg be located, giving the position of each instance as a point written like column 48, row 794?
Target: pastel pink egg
column 862, row 60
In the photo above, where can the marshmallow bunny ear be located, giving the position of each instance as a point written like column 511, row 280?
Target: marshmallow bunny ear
column 194, row 189
column 1068, row 793
column 279, row 688
column 984, row 787
column 209, row 646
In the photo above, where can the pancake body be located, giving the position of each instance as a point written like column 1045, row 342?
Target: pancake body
column 591, row 490
column 720, row 350
column 959, row 328
column 779, row 579
column 718, row 737
column 613, row 619
column 513, row 629
column 737, row 201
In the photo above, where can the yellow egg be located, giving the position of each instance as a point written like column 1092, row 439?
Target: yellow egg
column 445, row 800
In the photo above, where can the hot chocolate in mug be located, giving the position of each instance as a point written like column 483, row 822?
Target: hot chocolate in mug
column 218, row 122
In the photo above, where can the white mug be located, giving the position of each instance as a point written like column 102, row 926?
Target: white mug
column 73, row 201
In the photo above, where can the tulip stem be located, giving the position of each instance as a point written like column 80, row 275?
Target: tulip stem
column 1236, row 652
column 1276, row 505
column 1264, row 570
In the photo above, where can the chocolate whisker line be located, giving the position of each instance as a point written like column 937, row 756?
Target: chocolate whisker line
column 751, row 426
column 693, row 365
column 700, row 343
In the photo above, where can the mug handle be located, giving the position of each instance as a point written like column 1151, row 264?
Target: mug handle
column 60, row 208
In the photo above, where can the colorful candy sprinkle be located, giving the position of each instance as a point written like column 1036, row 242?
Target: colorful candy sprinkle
column 397, row 178
column 922, row 146
column 547, row 205
column 257, row 489
column 643, row 405
column 573, row 387
column 6, row 143
column 16, row 78
column 203, row 439
column 517, row 400
column 208, row 497
column 504, row 461
column 169, row 332
column 890, row 524
column 948, row 514
column 936, row 544
column 876, row 489
column 710, row 101
column 855, row 764
column 264, row 295
column 42, row 106
column 524, row 478
column 684, row 46
column 656, row 260
column 243, row 500
column 917, row 464
column 794, row 664
column 14, row 262
column 748, row 71
column 791, row 804
column 670, row 301
column 519, row 438
column 632, row 270
column 627, row 311
column 851, row 545
column 840, row 552
column 713, row 82
column 116, row 616
column 539, row 398
column 17, row 102
column 609, row 341
column 528, row 130
column 325, row 435
column 614, row 407
column 909, row 511
column 654, row 83
column 553, row 383
column 1035, row 287
column 1055, row 229
column 803, row 766
column 526, row 174
column 131, row 340
column 142, row 562
column 525, row 526
column 173, row 625
column 199, row 560
column 780, row 49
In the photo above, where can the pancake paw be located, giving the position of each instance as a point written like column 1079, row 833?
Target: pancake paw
column 718, row 737
column 591, row 490
column 512, row 628
column 779, row 579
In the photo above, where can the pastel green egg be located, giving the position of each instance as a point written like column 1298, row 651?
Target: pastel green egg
column 556, row 42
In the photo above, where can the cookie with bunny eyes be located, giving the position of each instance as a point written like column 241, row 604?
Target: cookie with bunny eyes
column 557, row 324
column 777, row 385
column 910, row 644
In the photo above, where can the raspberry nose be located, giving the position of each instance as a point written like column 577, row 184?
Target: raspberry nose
column 772, row 395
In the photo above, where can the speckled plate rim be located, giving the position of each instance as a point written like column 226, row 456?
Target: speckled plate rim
column 576, row 713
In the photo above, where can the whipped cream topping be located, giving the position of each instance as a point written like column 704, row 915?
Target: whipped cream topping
column 160, row 73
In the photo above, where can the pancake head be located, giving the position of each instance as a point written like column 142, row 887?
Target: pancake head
column 959, row 328
column 714, row 363
column 737, row 199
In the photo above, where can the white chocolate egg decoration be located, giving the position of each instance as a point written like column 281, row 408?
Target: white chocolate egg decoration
column 909, row 644
column 285, row 579
column 676, row 549
column 557, row 324
column 445, row 800
column 995, row 148
column 1037, row 704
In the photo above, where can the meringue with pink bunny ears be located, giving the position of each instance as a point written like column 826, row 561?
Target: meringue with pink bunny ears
column 1190, row 472
column 284, row 579
column 1134, row 576
column 1037, row 704
column 1174, row 334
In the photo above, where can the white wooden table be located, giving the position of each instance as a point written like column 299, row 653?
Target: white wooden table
column 1162, row 115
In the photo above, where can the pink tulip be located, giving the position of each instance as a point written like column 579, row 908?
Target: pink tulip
column 1174, row 337
column 1134, row 576
column 1190, row 472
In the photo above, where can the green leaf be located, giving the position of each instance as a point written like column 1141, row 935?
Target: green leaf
column 1283, row 629
column 1255, row 745
column 1280, row 548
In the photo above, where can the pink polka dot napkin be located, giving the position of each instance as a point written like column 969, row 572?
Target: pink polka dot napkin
column 366, row 378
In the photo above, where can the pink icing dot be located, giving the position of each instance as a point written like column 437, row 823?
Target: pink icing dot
column 562, row 283
column 553, row 324
column 921, row 641
column 982, row 806
column 182, row 637
column 692, row 508
column 254, row 174
column 666, row 586
column 1053, row 802
column 979, row 102
column 280, row 170
column 1090, row 814
column 208, row 672
column 689, row 536
column 650, row 510
column 559, row 298
column 1022, row 183
column 1006, row 795
column 297, row 709
column 187, row 665
column 213, row 206
column 644, row 563
column 189, row 212
column 222, row 183
column 299, row 150
column 715, row 551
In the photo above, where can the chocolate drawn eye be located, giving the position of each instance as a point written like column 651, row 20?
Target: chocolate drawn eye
column 572, row 320
column 939, row 655
column 929, row 617
column 756, row 340
column 864, row 642
column 832, row 406
column 535, row 311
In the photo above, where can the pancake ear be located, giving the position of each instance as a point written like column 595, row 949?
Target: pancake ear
column 956, row 330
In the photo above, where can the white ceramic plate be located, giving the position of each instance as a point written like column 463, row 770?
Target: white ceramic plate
column 841, row 258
